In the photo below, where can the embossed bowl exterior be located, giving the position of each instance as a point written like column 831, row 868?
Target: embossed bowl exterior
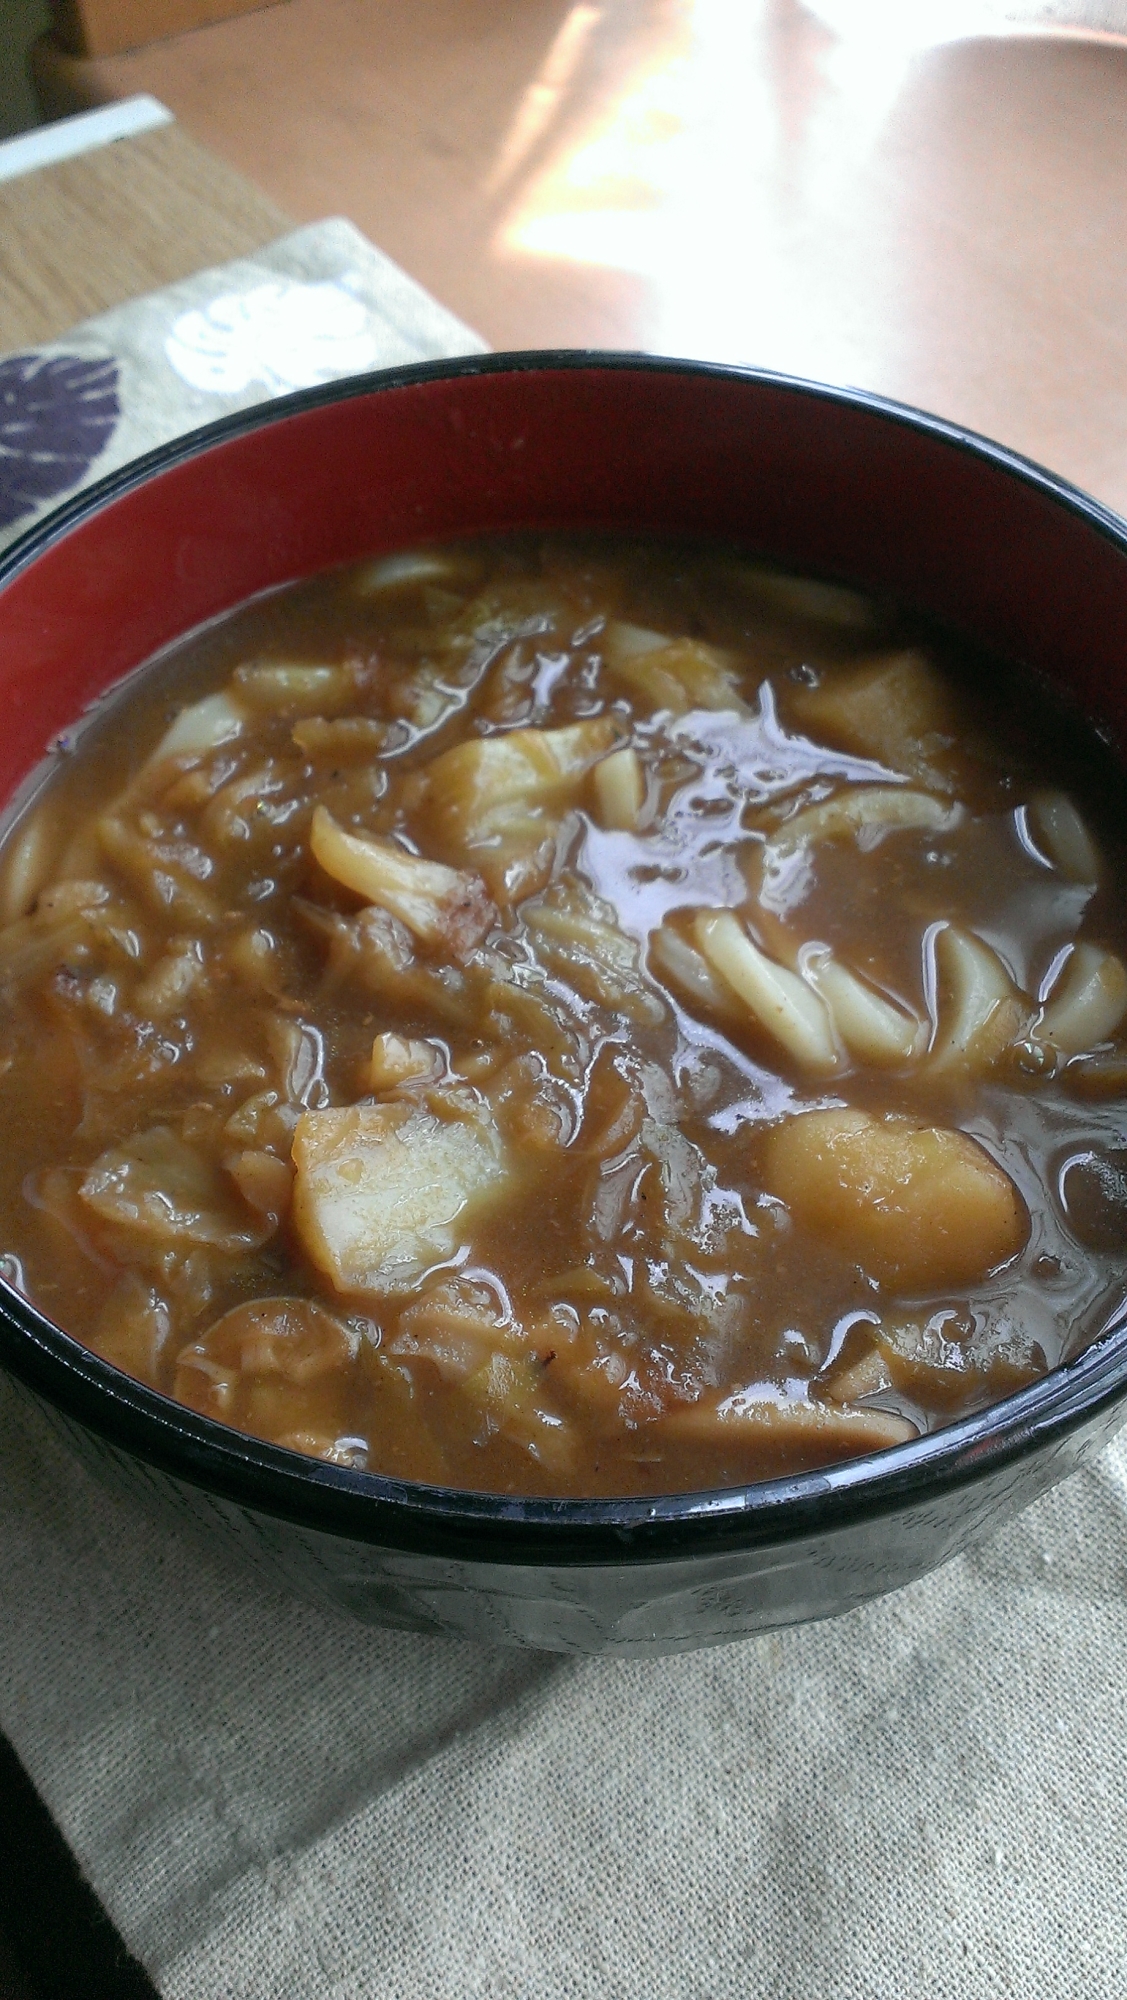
column 828, row 480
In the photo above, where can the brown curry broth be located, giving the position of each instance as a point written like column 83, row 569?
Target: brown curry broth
column 592, row 1386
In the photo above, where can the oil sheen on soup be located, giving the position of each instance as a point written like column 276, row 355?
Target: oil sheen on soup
column 569, row 1017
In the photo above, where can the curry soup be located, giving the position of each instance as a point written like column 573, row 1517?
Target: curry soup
column 569, row 1017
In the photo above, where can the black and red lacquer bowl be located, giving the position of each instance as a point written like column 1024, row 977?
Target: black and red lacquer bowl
column 833, row 482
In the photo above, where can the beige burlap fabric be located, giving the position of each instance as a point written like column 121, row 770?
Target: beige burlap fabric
column 925, row 1798
column 314, row 306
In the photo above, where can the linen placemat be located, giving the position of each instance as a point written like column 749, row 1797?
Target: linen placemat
column 924, row 1797
column 318, row 304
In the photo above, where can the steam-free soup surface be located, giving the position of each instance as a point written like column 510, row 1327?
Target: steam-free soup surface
column 569, row 1018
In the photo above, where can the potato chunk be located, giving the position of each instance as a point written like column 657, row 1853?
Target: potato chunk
column 918, row 1207
column 383, row 1191
column 896, row 709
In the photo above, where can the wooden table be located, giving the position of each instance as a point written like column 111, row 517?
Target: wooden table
column 91, row 232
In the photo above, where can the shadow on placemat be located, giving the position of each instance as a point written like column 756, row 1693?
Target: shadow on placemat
column 59, row 1939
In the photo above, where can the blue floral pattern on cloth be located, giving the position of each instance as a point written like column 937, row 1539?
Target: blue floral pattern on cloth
column 57, row 413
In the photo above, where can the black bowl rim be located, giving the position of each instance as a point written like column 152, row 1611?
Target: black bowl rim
column 483, row 1527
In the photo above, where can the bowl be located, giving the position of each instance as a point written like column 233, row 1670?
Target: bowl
column 832, row 481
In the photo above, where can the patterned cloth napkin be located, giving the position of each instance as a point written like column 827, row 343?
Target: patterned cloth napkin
column 922, row 1798
column 313, row 306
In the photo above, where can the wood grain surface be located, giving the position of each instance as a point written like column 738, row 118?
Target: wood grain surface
column 89, row 233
